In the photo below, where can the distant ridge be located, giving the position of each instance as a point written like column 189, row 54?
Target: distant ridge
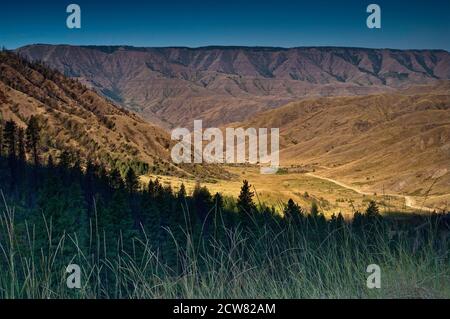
column 224, row 47
column 171, row 86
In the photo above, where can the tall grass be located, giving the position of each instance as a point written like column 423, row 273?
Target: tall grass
column 287, row 263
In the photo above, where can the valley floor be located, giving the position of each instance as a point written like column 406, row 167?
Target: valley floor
column 331, row 195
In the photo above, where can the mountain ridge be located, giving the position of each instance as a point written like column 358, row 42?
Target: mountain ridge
column 172, row 86
column 225, row 47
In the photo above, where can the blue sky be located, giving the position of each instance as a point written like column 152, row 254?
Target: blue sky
column 421, row 24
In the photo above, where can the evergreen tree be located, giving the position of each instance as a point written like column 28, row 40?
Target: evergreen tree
column 151, row 188
column 218, row 201
column 372, row 210
column 217, row 219
column 202, row 200
column 89, row 186
column 64, row 165
column 340, row 221
column 32, row 138
column 245, row 202
column 76, row 171
column 292, row 212
column 9, row 137
column 115, row 179
column 50, row 162
column 21, row 145
column 373, row 219
column 131, row 181
column 155, row 188
column 65, row 158
column 1, row 138
column 10, row 140
column 358, row 220
column 314, row 209
column 132, row 187
column 181, row 195
column 151, row 214
column 203, row 204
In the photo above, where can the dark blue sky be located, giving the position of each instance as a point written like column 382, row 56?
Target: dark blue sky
column 421, row 24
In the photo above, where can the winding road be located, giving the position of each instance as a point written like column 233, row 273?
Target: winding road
column 409, row 201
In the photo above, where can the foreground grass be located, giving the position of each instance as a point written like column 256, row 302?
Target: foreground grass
column 264, row 264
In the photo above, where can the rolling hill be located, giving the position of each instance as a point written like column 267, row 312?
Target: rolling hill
column 395, row 142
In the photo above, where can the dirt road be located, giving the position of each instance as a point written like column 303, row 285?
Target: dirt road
column 409, row 201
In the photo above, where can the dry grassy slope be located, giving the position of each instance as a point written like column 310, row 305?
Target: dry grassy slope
column 396, row 142
column 227, row 84
column 76, row 118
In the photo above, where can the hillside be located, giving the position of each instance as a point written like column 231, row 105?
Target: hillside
column 397, row 142
column 174, row 86
column 76, row 119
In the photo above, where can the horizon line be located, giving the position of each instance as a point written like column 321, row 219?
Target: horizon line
column 219, row 46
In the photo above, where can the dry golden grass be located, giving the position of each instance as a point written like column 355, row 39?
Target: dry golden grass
column 394, row 143
column 277, row 189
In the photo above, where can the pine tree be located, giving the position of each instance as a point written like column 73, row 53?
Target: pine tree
column 21, row 145
column 218, row 201
column 151, row 188
column 132, row 187
column 151, row 214
column 65, row 158
column 340, row 221
column 10, row 140
column 245, row 202
column 314, row 209
column 32, row 138
column 1, row 138
column 372, row 210
column 358, row 220
column 115, row 179
column 9, row 137
column 372, row 218
column 63, row 166
column 89, row 186
column 181, row 195
column 155, row 188
column 202, row 200
column 217, row 217
column 292, row 212
column 50, row 162
column 131, row 181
